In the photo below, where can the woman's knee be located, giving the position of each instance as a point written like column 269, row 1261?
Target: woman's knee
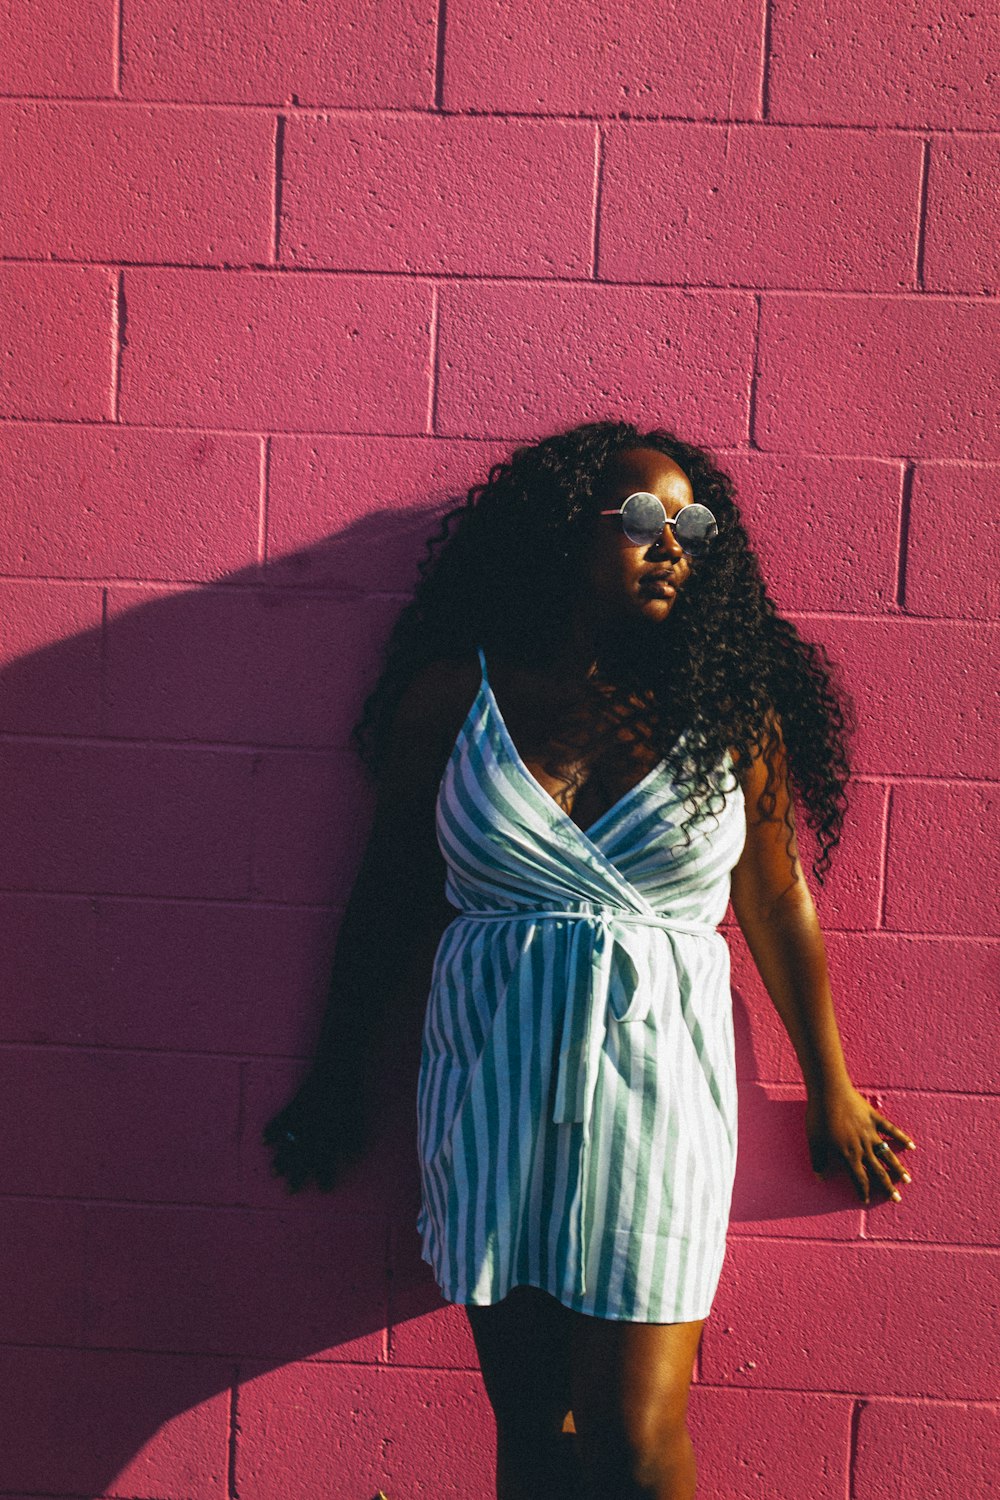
column 641, row 1442
column 657, row 1444
column 545, row 1469
column 630, row 1393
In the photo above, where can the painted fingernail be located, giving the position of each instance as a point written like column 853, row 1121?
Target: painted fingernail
column 907, row 1177
column 895, row 1197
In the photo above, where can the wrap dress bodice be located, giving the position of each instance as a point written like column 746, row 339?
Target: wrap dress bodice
column 576, row 1101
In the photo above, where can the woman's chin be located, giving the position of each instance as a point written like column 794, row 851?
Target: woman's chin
column 655, row 606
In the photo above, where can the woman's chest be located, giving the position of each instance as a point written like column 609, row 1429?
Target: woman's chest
column 585, row 760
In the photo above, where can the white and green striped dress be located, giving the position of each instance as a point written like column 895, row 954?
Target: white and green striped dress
column 576, row 1101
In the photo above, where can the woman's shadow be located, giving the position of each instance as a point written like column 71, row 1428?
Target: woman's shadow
column 183, row 821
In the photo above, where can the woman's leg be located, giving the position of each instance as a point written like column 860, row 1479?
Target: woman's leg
column 524, row 1349
column 629, row 1389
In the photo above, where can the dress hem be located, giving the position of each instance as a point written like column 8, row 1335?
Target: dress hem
column 461, row 1298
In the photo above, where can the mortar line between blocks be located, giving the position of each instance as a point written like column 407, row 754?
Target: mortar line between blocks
column 903, row 534
column 279, row 182
column 754, row 363
column 119, row 313
column 232, row 1492
column 263, row 506
column 533, row 280
column 595, row 233
column 433, row 371
column 852, row 1444
column 364, row 434
column 984, row 1095
column 330, row 751
column 87, row 1277
column 387, row 1372
column 293, row 105
column 118, row 58
column 388, row 1309
column 765, row 74
column 883, row 874
column 242, row 1092
column 103, row 705
column 921, row 236
column 439, row 43
column 881, row 1245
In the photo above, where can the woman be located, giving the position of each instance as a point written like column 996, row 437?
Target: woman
column 587, row 737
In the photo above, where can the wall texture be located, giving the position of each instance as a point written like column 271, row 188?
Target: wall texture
column 278, row 279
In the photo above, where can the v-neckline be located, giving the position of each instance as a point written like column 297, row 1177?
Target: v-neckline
column 559, row 811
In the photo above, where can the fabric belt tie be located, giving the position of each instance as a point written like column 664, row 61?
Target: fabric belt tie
column 590, row 1009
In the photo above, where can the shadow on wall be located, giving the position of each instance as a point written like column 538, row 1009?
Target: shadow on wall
column 182, row 821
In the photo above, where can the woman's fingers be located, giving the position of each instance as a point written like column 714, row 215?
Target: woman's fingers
column 856, row 1167
column 315, row 1136
column 891, row 1161
column 885, row 1158
column 898, row 1135
column 852, row 1132
column 290, row 1168
column 302, row 1162
column 868, row 1164
column 874, row 1162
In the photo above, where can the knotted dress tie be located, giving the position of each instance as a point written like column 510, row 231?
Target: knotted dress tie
column 590, row 1010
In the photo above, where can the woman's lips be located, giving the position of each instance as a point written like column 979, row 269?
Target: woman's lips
column 660, row 587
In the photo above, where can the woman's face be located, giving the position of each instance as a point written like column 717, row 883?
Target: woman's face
column 628, row 581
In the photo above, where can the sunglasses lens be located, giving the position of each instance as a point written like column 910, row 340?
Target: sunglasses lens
column 643, row 517
column 694, row 528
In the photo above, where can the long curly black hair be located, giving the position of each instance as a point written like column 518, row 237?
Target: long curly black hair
column 504, row 570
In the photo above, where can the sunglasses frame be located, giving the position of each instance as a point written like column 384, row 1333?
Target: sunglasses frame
column 667, row 521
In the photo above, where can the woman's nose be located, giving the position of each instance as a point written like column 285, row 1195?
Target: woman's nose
column 670, row 543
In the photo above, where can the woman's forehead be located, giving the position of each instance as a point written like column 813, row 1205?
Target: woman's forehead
column 648, row 469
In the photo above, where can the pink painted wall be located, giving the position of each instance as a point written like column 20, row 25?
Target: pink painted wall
column 277, row 280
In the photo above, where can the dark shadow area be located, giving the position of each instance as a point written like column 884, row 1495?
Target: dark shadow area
column 774, row 1179
column 183, row 817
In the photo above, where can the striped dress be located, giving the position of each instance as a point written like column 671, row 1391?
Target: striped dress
column 576, row 1099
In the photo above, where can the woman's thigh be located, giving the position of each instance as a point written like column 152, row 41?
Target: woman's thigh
column 541, row 1359
column 524, row 1344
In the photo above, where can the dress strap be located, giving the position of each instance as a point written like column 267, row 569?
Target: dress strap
column 484, row 680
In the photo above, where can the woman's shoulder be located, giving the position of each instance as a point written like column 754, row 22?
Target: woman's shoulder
column 435, row 702
column 420, row 736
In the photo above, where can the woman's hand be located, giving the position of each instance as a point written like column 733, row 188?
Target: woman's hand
column 322, row 1129
column 842, row 1124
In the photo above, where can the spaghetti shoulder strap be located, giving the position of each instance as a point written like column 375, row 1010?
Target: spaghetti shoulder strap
column 482, row 666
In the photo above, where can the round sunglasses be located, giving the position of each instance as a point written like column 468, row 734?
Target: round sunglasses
column 644, row 516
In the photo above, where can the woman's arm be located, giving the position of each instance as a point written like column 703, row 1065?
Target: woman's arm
column 384, row 951
column 397, row 909
column 774, row 908
column 776, row 914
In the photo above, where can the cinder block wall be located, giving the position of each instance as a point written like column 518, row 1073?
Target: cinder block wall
column 277, row 281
